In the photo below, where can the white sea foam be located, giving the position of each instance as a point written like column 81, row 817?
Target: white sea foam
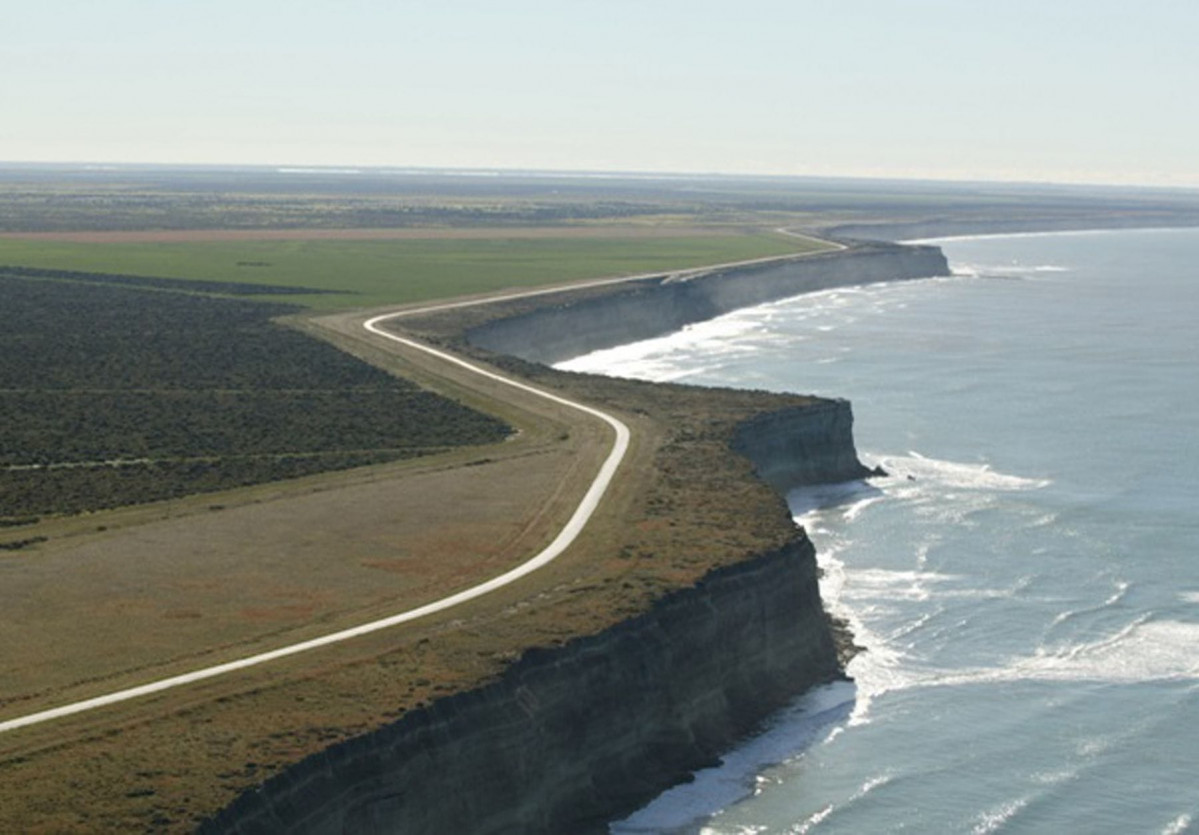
column 869, row 597
column 1055, row 778
column 824, row 813
column 994, row 819
column 1180, row 824
column 1008, row 271
column 886, row 584
column 1142, row 651
column 881, row 667
column 737, row 777
column 813, row 820
column 672, row 357
column 770, row 328
column 915, row 467
column 1113, row 599
column 848, row 497
column 985, row 236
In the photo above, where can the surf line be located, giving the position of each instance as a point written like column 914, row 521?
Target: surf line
column 574, row 526
column 561, row 542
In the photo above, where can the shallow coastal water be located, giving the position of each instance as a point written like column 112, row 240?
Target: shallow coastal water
column 1026, row 580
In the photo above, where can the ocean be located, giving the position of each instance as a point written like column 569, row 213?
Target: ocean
column 1024, row 582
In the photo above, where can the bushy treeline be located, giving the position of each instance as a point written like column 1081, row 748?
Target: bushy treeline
column 225, row 288
column 187, row 394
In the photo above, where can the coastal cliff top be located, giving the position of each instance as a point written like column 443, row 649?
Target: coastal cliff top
column 685, row 506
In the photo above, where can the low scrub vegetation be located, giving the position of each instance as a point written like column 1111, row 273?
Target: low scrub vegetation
column 223, row 288
column 113, row 396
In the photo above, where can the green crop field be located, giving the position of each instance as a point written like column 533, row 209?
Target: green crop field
column 370, row 273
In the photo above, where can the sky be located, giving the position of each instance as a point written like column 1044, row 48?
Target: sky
column 1047, row 91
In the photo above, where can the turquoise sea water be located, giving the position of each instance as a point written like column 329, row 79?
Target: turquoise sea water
column 1025, row 582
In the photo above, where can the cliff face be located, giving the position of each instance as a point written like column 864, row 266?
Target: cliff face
column 571, row 737
column 804, row 445
column 567, row 738
column 647, row 309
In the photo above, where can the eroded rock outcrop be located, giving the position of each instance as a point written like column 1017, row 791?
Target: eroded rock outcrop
column 802, row 445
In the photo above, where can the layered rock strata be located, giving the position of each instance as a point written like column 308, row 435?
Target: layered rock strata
column 568, row 738
column 645, row 309
column 802, row 445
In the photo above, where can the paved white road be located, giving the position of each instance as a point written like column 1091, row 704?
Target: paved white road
column 561, row 542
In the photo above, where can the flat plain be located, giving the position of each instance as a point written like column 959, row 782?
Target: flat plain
column 373, row 272
column 111, row 598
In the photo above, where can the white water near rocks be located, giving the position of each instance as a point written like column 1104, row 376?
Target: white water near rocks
column 1026, row 579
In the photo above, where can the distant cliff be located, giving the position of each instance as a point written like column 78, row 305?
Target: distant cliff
column 645, row 309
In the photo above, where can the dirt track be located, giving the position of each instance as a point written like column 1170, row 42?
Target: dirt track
column 263, row 570
column 280, row 563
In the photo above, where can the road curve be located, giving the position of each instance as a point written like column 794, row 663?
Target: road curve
column 561, row 542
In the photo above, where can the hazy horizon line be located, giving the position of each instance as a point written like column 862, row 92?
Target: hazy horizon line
column 586, row 173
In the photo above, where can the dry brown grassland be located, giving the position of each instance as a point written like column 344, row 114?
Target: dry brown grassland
column 118, row 598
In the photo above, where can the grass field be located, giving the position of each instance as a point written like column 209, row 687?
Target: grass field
column 173, row 586
column 379, row 272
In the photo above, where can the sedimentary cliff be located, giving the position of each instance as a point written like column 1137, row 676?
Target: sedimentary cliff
column 803, row 445
column 571, row 736
column 645, row 309
column 568, row 738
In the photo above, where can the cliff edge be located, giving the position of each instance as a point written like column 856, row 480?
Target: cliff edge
column 566, row 327
column 569, row 737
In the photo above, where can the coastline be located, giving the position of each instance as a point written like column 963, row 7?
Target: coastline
column 815, row 439
column 913, row 581
column 617, row 606
column 943, row 228
column 935, row 240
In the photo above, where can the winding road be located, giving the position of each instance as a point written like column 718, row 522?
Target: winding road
column 568, row 534
column 573, row 527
